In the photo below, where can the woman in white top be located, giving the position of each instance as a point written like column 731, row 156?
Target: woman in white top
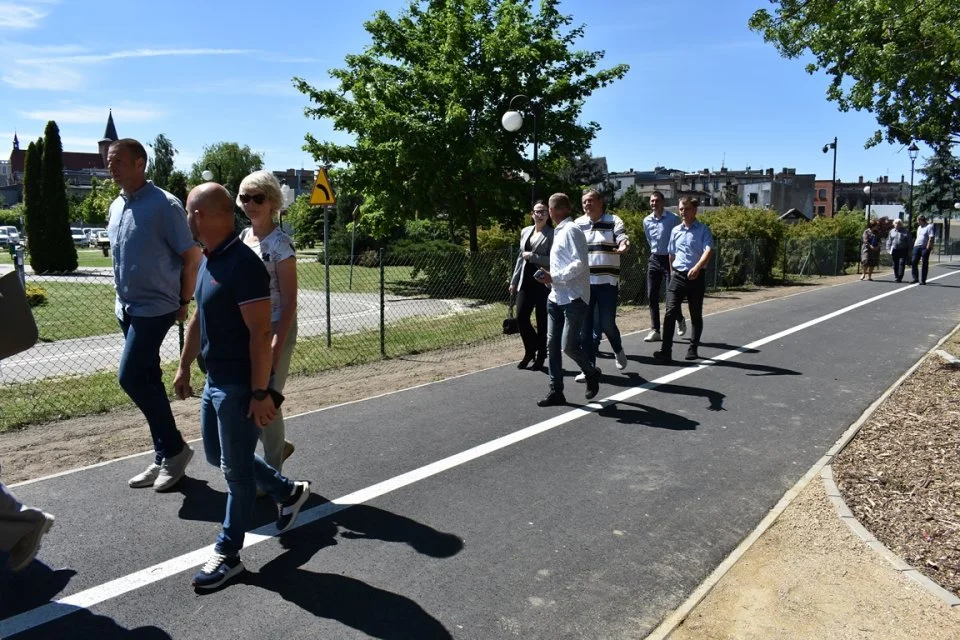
column 261, row 200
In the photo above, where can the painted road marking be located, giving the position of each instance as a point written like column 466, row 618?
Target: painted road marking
column 131, row 582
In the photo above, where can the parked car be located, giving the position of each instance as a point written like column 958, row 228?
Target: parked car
column 4, row 237
column 9, row 236
column 102, row 239
column 94, row 235
column 79, row 239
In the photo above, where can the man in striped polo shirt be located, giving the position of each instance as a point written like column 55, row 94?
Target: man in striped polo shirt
column 606, row 241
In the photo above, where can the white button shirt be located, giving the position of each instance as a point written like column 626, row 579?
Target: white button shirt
column 569, row 264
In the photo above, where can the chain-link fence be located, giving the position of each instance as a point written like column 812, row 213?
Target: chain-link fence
column 378, row 305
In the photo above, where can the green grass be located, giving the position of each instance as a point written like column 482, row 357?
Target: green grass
column 310, row 275
column 85, row 258
column 58, row 399
column 75, row 310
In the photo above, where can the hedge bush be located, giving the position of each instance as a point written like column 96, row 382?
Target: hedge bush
column 36, row 295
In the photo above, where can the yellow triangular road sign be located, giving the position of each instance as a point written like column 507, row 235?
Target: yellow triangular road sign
column 322, row 191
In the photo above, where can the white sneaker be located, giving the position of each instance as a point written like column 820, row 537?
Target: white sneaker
column 25, row 550
column 582, row 377
column 653, row 336
column 681, row 326
column 146, row 478
column 621, row 360
column 172, row 469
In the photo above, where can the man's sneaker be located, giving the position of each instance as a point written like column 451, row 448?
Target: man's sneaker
column 287, row 510
column 218, row 569
column 25, row 550
column 653, row 336
column 582, row 377
column 621, row 360
column 662, row 357
column 692, row 354
column 288, row 449
column 145, row 478
column 553, row 399
column 681, row 326
column 593, row 386
column 172, row 469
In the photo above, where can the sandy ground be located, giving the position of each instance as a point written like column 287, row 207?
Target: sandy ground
column 807, row 576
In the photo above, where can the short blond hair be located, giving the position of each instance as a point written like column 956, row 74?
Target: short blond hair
column 268, row 184
column 560, row 201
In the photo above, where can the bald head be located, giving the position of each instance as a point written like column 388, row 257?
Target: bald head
column 210, row 198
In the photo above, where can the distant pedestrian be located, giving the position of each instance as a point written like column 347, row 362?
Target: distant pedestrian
column 869, row 250
column 569, row 278
column 231, row 327
column 607, row 240
column 535, row 243
column 690, row 248
column 922, row 247
column 261, row 200
column 155, row 262
column 898, row 244
column 657, row 227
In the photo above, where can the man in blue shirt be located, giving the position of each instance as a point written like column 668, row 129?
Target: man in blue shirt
column 155, row 262
column 657, row 228
column 690, row 247
column 231, row 328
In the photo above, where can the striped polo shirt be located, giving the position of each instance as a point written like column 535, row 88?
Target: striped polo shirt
column 603, row 238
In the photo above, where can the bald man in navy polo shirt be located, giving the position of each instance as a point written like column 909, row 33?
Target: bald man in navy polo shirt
column 231, row 328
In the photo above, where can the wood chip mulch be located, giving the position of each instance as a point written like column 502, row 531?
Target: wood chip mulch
column 900, row 475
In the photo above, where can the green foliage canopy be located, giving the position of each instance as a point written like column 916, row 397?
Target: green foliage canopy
column 229, row 162
column 59, row 253
column 96, row 206
column 161, row 164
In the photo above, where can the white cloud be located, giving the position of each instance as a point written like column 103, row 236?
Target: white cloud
column 94, row 58
column 85, row 114
column 18, row 16
column 42, row 77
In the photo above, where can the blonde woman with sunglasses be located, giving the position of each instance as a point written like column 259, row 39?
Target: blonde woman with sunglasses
column 261, row 200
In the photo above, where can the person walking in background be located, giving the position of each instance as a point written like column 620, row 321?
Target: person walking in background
column 898, row 244
column 260, row 199
column 155, row 262
column 922, row 247
column 607, row 240
column 690, row 248
column 869, row 250
column 231, row 327
column 535, row 243
column 657, row 227
column 569, row 277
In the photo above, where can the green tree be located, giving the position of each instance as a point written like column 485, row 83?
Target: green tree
column 161, row 164
column 424, row 103
column 938, row 189
column 62, row 255
column 177, row 185
column 898, row 59
column 305, row 220
column 35, row 218
column 632, row 200
column 229, row 162
column 95, row 208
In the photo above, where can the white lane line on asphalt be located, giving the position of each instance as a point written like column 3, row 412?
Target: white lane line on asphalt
column 125, row 584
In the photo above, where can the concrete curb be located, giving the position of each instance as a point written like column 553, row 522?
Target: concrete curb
column 822, row 468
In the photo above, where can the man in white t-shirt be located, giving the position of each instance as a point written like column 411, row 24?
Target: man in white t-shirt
column 922, row 247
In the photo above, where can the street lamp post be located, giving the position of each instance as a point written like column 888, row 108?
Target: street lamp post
column 512, row 120
column 868, row 191
column 833, row 185
column 913, row 150
column 208, row 175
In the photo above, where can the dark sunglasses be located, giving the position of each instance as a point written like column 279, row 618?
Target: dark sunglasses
column 260, row 198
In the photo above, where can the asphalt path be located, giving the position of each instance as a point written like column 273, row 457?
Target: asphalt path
column 478, row 514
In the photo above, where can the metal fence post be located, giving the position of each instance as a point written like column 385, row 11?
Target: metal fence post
column 383, row 311
column 326, row 264
column 19, row 266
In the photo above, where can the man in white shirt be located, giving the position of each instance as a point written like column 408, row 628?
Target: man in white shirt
column 922, row 247
column 569, row 278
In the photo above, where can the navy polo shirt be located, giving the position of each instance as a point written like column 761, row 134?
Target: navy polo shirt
column 230, row 276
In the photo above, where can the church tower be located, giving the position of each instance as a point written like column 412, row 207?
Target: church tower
column 16, row 143
column 109, row 136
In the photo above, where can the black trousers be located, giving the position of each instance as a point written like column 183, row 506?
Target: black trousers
column 899, row 257
column 681, row 288
column 658, row 273
column 531, row 297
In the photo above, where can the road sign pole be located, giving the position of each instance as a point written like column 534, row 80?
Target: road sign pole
column 326, row 264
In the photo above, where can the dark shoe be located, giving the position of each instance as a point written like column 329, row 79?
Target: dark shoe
column 914, row 281
column 593, row 385
column 218, row 569
column 553, row 399
column 923, row 282
column 692, row 354
column 288, row 510
column 662, row 357
column 538, row 364
column 523, row 364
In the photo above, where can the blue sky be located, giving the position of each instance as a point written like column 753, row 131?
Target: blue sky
column 702, row 88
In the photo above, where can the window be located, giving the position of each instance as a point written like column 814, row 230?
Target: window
column 754, row 198
column 822, row 194
column 821, row 210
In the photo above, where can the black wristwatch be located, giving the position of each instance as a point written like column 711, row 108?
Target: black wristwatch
column 183, row 302
column 260, row 394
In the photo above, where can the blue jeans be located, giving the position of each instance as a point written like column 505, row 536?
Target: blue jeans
column 921, row 258
column 230, row 442
column 140, row 377
column 602, row 311
column 564, row 328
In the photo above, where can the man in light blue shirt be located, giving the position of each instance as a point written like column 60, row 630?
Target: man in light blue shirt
column 657, row 227
column 690, row 248
column 569, row 277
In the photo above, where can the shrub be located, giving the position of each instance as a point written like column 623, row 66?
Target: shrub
column 754, row 259
column 440, row 265
column 36, row 295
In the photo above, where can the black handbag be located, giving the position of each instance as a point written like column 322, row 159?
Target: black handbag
column 510, row 325
column 19, row 328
